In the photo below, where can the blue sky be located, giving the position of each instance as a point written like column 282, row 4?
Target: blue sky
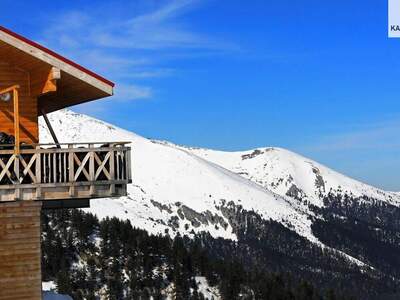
column 317, row 77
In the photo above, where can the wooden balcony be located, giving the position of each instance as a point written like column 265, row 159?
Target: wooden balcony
column 64, row 171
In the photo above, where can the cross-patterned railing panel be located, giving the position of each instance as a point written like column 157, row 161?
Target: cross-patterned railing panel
column 65, row 164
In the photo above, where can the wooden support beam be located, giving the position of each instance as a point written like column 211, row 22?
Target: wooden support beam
column 9, row 89
column 53, row 134
column 45, row 81
column 51, row 83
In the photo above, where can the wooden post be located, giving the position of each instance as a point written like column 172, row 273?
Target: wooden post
column 38, row 171
column 14, row 90
column 92, row 172
column 71, row 171
column 112, row 169
column 16, row 121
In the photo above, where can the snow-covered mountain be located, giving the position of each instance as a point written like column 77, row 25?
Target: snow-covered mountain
column 274, row 209
column 174, row 190
column 289, row 174
column 190, row 190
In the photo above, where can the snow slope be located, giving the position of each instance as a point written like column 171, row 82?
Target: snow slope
column 172, row 185
column 289, row 174
column 179, row 189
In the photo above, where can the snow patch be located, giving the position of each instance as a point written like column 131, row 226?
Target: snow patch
column 48, row 286
column 209, row 293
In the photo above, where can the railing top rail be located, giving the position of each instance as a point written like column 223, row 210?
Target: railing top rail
column 66, row 144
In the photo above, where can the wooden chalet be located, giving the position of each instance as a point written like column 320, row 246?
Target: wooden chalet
column 35, row 81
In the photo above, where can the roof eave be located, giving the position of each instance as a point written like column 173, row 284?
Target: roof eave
column 50, row 57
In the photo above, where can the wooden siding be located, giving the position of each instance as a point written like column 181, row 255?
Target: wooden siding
column 20, row 253
column 28, row 105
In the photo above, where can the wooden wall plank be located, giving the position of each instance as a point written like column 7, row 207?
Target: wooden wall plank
column 20, row 257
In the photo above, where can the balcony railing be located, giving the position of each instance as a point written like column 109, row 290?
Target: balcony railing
column 64, row 171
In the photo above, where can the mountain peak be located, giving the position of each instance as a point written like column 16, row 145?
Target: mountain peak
column 290, row 174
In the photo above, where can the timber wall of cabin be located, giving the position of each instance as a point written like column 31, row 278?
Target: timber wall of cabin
column 20, row 259
column 27, row 105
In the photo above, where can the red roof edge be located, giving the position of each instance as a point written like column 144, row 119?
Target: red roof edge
column 58, row 56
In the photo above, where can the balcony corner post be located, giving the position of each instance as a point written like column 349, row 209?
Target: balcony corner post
column 112, row 169
column 92, row 170
column 38, row 172
column 71, row 171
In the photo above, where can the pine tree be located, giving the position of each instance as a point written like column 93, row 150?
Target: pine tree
column 305, row 291
column 180, row 274
column 63, row 282
column 330, row 295
column 92, row 279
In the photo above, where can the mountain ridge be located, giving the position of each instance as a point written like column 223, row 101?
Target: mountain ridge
column 316, row 171
column 283, row 189
column 153, row 181
column 270, row 202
